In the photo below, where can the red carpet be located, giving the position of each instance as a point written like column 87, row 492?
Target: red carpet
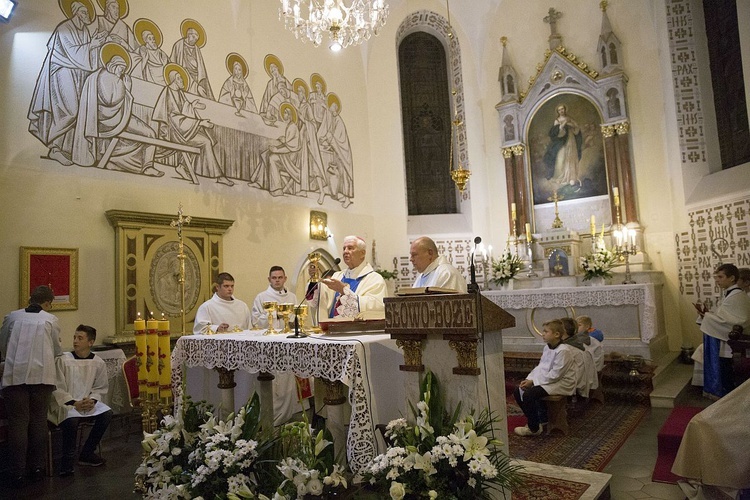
column 594, row 438
column 668, row 440
column 542, row 488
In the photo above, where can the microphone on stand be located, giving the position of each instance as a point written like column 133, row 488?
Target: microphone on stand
column 330, row 272
column 473, row 287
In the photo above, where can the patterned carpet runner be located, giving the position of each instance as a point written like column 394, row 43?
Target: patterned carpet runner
column 596, row 433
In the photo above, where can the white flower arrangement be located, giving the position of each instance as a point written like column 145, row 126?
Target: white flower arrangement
column 598, row 263
column 196, row 456
column 505, row 267
column 424, row 462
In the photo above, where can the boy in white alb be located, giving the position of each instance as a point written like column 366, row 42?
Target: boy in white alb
column 555, row 374
column 81, row 384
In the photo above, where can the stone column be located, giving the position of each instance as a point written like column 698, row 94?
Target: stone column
column 623, row 154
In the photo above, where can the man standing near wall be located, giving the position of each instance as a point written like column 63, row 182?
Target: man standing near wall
column 274, row 293
column 434, row 269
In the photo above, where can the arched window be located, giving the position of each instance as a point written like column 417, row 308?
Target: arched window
column 427, row 121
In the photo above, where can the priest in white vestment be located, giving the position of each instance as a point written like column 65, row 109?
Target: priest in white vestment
column 434, row 270
column 276, row 292
column 223, row 312
column 358, row 288
column 82, row 383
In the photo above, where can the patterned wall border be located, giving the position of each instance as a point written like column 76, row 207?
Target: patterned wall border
column 685, row 79
column 718, row 234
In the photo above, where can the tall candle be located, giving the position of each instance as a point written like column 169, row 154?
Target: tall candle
column 616, row 193
column 528, row 232
column 593, row 226
column 152, row 351
column 513, row 211
column 165, row 362
column 140, row 353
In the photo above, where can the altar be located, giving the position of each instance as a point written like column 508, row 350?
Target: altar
column 367, row 364
column 631, row 316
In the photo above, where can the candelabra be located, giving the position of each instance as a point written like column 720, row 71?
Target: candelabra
column 624, row 242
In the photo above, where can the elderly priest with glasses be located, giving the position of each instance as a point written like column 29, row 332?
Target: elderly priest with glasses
column 358, row 288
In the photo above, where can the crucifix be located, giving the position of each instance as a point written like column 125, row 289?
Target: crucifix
column 557, row 223
column 181, row 256
column 555, row 39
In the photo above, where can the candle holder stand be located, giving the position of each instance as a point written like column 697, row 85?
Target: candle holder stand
column 530, row 252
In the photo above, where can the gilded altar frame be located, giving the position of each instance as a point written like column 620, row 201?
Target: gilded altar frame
column 147, row 267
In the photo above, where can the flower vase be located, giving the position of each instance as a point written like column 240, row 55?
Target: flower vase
column 597, row 281
column 507, row 286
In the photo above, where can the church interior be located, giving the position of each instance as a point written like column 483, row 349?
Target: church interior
column 136, row 136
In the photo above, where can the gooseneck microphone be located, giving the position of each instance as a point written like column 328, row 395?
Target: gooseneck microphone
column 330, row 272
column 473, row 287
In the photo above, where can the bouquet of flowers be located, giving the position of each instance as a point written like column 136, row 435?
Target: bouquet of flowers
column 195, row 456
column 599, row 263
column 439, row 456
column 505, row 267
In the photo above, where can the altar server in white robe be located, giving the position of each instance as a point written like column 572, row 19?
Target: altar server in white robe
column 434, row 269
column 358, row 288
column 584, row 364
column 276, row 292
column 82, row 383
column 29, row 343
column 223, row 312
column 733, row 310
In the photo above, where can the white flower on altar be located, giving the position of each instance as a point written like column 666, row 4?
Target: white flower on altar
column 397, row 491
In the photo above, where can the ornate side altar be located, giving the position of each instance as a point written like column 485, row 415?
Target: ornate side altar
column 631, row 316
column 366, row 364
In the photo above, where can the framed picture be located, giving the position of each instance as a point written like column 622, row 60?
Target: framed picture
column 566, row 150
column 54, row 267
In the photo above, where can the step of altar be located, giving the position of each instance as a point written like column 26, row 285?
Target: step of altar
column 598, row 481
column 669, row 382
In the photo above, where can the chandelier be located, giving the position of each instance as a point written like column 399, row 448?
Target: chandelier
column 344, row 25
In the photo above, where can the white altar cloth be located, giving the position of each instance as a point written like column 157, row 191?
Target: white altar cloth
column 641, row 295
column 367, row 364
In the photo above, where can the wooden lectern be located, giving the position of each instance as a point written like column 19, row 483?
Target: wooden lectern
column 429, row 327
column 461, row 319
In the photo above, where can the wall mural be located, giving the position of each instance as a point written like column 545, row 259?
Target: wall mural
column 110, row 97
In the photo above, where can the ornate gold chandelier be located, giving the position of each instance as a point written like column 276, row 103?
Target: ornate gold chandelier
column 310, row 20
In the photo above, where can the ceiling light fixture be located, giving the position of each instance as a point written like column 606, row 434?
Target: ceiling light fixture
column 344, row 25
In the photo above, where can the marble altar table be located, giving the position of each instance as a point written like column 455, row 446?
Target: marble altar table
column 366, row 364
column 631, row 316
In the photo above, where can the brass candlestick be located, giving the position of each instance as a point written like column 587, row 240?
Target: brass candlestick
column 270, row 307
column 557, row 223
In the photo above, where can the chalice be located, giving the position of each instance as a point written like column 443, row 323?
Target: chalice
column 270, row 306
column 300, row 313
column 285, row 309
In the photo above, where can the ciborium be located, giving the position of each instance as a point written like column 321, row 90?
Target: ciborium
column 285, row 310
column 270, row 307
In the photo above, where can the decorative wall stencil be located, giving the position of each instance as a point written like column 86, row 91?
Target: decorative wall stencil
column 110, row 97
column 687, row 89
column 718, row 235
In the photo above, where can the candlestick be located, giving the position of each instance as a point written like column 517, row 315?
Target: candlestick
column 513, row 211
column 152, row 351
column 528, row 232
column 165, row 364
column 616, row 194
column 593, row 226
column 140, row 353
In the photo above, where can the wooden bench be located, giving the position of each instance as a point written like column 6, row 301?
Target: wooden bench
column 557, row 413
